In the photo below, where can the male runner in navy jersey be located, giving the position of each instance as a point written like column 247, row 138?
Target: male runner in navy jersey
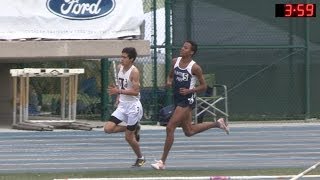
column 183, row 74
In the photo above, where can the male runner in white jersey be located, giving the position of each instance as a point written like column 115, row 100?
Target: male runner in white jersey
column 183, row 74
column 129, row 109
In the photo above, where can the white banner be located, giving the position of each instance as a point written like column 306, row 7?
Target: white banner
column 70, row 19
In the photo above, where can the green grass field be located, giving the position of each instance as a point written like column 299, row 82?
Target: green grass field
column 153, row 173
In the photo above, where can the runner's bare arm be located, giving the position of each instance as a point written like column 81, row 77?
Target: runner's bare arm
column 170, row 76
column 197, row 71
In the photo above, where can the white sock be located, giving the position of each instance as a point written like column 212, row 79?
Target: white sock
column 141, row 157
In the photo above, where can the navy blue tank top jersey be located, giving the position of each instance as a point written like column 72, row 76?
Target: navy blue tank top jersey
column 183, row 78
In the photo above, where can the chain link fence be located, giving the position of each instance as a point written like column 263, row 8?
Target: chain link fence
column 268, row 64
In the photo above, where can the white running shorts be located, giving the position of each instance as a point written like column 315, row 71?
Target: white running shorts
column 129, row 112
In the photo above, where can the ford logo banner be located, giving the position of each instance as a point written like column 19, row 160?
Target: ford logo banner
column 80, row 9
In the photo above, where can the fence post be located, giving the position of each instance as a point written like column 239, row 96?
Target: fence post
column 104, row 86
column 168, row 47
column 307, row 68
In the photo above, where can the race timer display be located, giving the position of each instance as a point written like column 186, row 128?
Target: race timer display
column 295, row 10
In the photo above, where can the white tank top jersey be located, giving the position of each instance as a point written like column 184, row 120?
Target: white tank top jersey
column 124, row 83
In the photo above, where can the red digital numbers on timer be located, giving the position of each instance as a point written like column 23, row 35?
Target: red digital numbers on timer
column 299, row 10
column 295, row 10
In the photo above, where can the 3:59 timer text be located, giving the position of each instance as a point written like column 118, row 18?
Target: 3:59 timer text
column 295, row 10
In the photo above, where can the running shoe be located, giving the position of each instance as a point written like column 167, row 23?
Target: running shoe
column 223, row 126
column 137, row 132
column 158, row 165
column 139, row 162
